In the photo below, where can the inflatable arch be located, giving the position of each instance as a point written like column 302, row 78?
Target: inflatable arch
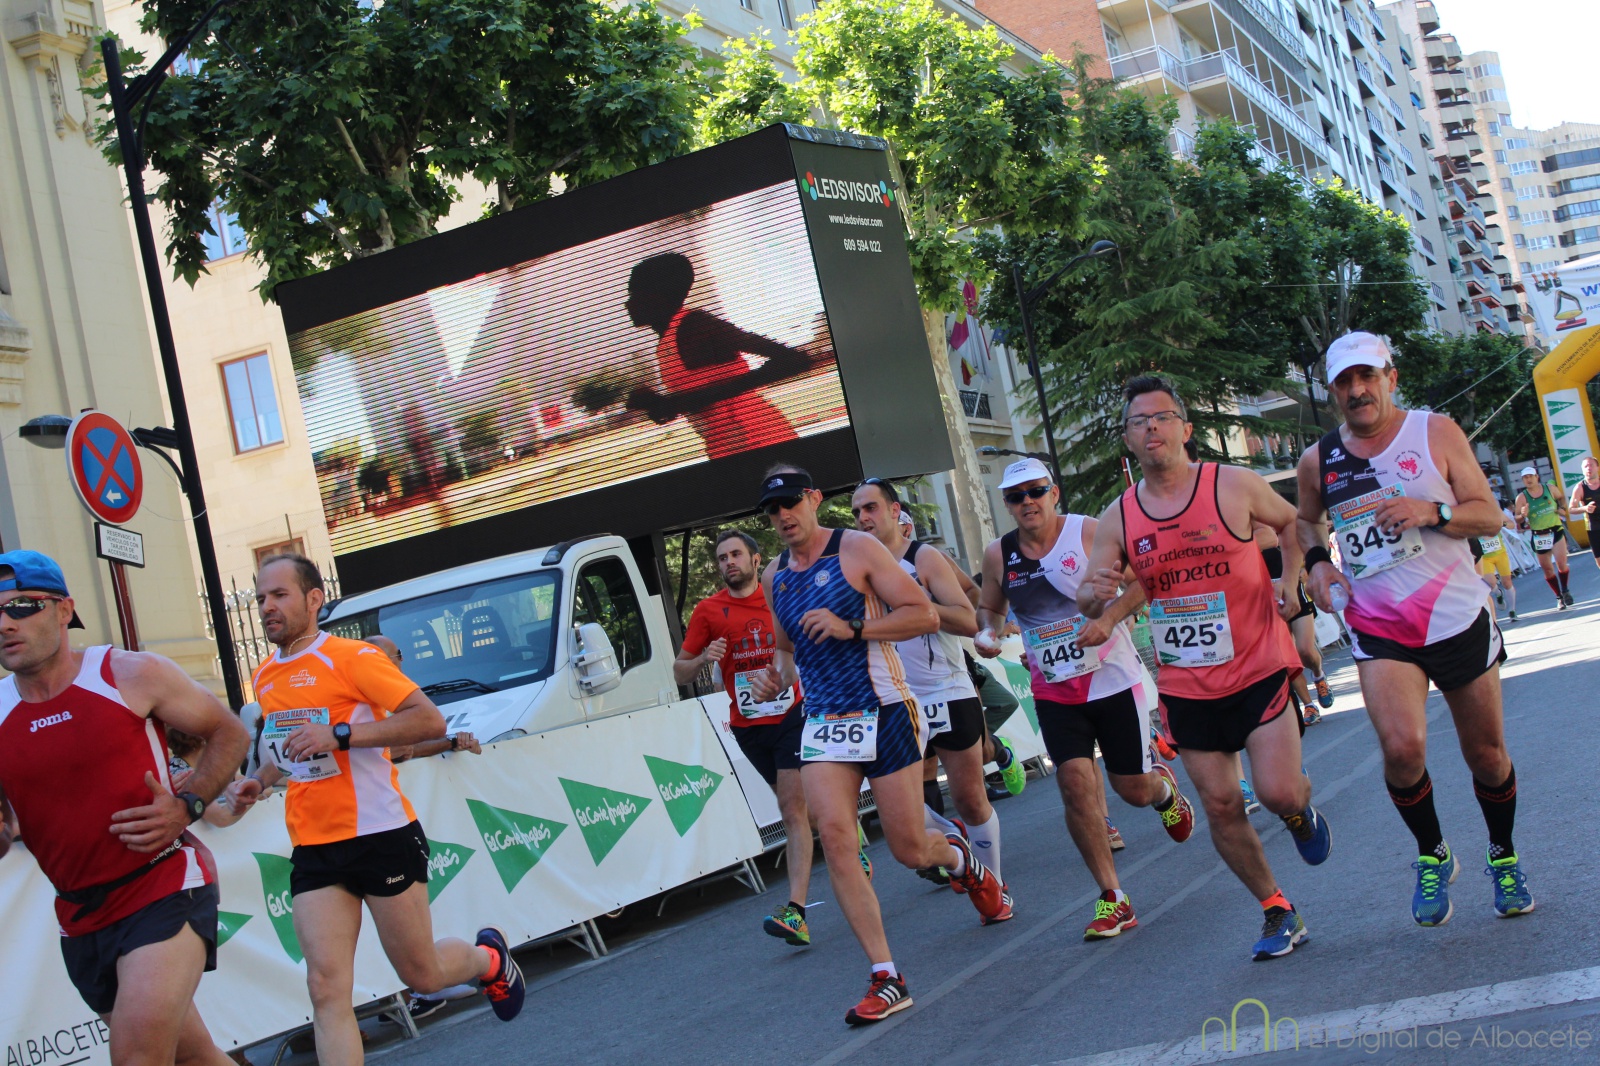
column 1566, row 306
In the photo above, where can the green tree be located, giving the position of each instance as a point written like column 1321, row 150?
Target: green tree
column 335, row 129
column 1482, row 380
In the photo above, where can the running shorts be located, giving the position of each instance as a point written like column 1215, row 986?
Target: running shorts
column 966, row 727
column 773, row 745
column 1115, row 722
column 92, row 958
column 899, row 741
column 377, row 864
column 1554, row 533
column 1451, row 663
column 1496, row 563
column 1225, row 723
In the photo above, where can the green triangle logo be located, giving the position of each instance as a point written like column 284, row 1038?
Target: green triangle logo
column 1021, row 684
column 275, row 871
column 602, row 814
column 1570, row 453
column 229, row 923
column 1562, row 431
column 684, row 789
column 516, row 841
column 444, row 862
column 1557, row 406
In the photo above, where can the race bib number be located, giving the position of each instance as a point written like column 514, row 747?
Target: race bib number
column 849, row 736
column 1055, row 650
column 1543, row 542
column 1368, row 550
column 936, row 716
column 746, row 701
column 1192, row 631
column 1491, row 545
column 275, row 729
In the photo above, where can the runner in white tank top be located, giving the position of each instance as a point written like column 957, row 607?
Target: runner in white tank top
column 1405, row 491
column 1087, row 679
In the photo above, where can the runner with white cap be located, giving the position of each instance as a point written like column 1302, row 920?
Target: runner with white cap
column 1544, row 512
column 1405, row 492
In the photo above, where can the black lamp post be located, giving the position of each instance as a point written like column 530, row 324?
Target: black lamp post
column 1026, row 298
column 125, row 96
column 991, row 450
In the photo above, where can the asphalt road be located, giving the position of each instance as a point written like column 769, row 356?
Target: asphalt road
column 703, row 984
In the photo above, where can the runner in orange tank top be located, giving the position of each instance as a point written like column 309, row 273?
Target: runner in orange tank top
column 1218, row 624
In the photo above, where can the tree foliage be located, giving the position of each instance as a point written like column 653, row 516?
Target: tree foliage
column 335, row 129
column 1476, row 379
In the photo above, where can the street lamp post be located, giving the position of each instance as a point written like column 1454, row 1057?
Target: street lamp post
column 1025, row 299
column 125, row 96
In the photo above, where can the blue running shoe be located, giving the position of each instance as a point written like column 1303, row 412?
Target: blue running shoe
column 1251, row 804
column 1430, row 904
column 1311, row 835
column 1280, row 934
column 1511, row 895
column 507, row 990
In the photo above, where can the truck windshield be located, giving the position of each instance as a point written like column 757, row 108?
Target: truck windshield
column 478, row 638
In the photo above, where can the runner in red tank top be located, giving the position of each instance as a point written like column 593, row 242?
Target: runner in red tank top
column 84, row 784
column 1218, row 624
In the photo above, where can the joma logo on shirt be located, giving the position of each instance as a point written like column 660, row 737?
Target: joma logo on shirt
column 54, row 719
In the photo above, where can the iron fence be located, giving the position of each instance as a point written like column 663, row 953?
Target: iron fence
column 250, row 644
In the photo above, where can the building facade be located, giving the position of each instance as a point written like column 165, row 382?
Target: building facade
column 73, row 334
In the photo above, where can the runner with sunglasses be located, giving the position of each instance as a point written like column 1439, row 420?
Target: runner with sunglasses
column 82, row 748
column 1087, row 681
column 1218, row 624
column 936, row 673
column 839, row 602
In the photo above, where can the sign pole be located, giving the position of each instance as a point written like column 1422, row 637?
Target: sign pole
column 124, row 601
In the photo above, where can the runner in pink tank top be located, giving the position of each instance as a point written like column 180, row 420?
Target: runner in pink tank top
column 83, row 770
column 1405, row 492
column 1217, row 621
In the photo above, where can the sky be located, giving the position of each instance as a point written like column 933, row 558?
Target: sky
column 1547, row 53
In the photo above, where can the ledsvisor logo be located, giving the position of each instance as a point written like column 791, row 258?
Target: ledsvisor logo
column 864, row 192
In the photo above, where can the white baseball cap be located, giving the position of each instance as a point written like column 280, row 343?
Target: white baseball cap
column 1023, row 471
column 1528, row 471
column 1357, row 349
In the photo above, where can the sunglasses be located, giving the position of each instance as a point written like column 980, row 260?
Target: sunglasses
column 780, row 503
column 1035, row 493
column 27, row 606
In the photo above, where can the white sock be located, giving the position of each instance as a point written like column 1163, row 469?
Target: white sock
column 961, row 863
column 886, row 967
column 1119, row 895
column 986, row 844
column 932, row 819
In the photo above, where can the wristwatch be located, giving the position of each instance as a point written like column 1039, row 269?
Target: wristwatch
column 194, row 805
column 1445, row 514
column 455, row 741
column 341, row 733
column 855, row 628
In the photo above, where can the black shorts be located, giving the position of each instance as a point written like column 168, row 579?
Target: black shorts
column 1224, row 724
column 1307, row 608
column 999, row 703
column 966, row 726
column 1451, row 663
column 1115, row 722
column 773, row 745
column 377, row 864
column 92, row 958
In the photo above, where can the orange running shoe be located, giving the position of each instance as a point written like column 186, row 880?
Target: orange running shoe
column 885, row 995
column 1178, row 818
column 1110, row 917
column 976, row 881
column 1006, row 913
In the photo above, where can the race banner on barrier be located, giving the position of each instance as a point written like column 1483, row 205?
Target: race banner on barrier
column 535, row 835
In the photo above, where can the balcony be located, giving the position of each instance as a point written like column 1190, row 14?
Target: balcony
column 1356, row 30
column 1265, row 27
column 1494, row 234
column 1394, row 110
column 1444, row 48
column 1425, row 246
column 1385, row 66
column 1464, row 143
column 1425, row 132
column 1182, row 144
column 1405, row 155
column 1427, row 16
column 1387, row 175
column 1438, row 296
column 1364, row 77
column 1377, row 23
column 1220, row 65
column 1480, row 173
column 1417, row 203
column 1140, row 65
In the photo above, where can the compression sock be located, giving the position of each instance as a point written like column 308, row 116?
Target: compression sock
column 960, row 867
column 1415, row 805
column 1002, row 754
column 1165, row 802
column 1277, row 899
column 986, row 844
column 933, row 797
column 1555, row 586
column 1499, row 805
column 1563, row 574
column 885, row 967
column 932, row 819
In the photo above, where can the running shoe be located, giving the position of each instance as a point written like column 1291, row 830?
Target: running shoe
column 1280, row 934
column 1005, row 914
column 1324, row 693
column 1251, row 804
column 1309, row 714
column 788, row 925
column 1561, row 604
column 977, row 882
column 507, row 990
column 420, row 1008
column 937, row 874
column 1567, row 596
column 1014, row 775
column 866, row 863
column 1114, row 836
column 1511, row 895
column 1110, row 917
column 1312, row 836
column 1178, row 819
column 885, row 995
column 1499, row 597
column 1430, row 904
column 1511, row 616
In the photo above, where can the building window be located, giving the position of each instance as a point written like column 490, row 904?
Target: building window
column 1539, row 244
column 1524, row 166
column 1519, row 240
column 1583, row 184
column 1499, row 155
column 1578, row 210
column 1494, row 129
column 1514, row 144
column 1116, row 45
column 1586, row 235
column 283, row 547
column 226, row 237
column 1512, row 211
column 785, row 16
column 252, row 403
column 1506, row 185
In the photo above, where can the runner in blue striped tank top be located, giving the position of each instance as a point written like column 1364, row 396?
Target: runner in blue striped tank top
column 839, row 601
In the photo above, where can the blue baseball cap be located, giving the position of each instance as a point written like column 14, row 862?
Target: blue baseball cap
column 35, row 572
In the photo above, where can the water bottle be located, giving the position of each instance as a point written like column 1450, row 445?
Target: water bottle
column 1338, row 597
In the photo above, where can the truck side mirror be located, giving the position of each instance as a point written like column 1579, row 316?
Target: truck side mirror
column 594, row 659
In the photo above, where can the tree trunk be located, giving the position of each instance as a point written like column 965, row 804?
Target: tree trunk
column 972, row 501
